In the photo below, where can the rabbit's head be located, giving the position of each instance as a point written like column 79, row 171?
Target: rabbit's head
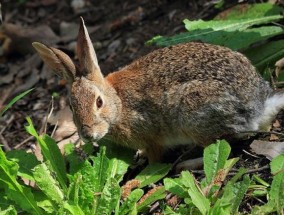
column 94, row 102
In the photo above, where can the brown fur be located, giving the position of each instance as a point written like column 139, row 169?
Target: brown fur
column 191, row 93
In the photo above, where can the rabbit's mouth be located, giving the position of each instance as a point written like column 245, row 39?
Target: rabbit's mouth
column 87, row 135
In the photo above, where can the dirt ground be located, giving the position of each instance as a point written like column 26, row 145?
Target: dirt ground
column 118, row 29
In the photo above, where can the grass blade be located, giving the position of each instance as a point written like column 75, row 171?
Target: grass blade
column 14, row 100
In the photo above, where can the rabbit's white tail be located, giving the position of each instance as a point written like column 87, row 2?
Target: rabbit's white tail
column 272, row 106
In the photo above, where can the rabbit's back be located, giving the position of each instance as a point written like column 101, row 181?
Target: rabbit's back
column 199, row 90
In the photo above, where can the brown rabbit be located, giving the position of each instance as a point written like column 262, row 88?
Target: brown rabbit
column 192, row 93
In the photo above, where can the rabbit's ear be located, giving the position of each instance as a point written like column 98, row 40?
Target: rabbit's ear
column 57, row 61
column 88, row 61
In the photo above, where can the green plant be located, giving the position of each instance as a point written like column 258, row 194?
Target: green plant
column 215, row 195
column 244, row 26
column 90, row 186
column 14, row 100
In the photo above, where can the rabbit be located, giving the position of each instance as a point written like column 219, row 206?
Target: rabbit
column 190, row 93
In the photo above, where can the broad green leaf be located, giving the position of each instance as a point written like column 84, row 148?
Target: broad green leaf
column 56, row 156
column 100, row 166
column 150, row 198
column 223, row 32
column 73, row 159
column 46, row 182
column 51, row 153
column 4, row 201
column 14, row 191
column 240, row 190
column 44, row 203
column 277, row 164
column 247, row 11
column 86, row 189
column 9, row 211
column 228, row 25
column 109, row 198
column 215, row 157
column 263, row 210
column 153, row 173
column 117, row 168
column 170, row 211
column 94, row 178
column 276, row 193
column 129, row 206
column 198, row 199
column 113, row 150
column 266, row 55
column 73, row 189
column 73, row 209
column 224, row 203
column 14, row 100
column 229, row 164
column 236, row 40
column 176, row 187
column 233, row 194
column 241, row 40
column 26, row 162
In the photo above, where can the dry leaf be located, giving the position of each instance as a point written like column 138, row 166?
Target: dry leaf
column 276, row 124
column 191, row 164
column 22, row 37
column 279, row 65
column 64, row 120
column 273, row 137
column 269, row 149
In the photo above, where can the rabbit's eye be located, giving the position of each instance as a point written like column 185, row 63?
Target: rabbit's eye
column 99, row 102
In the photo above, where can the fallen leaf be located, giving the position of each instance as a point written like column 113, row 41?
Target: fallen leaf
column 64, row 120
column 273, row 137
column 279, row 65
column 269, row 149
column 191, row 164
column 22, row 37
column 29, row 82
column 276, row 124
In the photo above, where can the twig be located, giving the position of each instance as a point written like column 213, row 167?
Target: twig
column 5, row 143
column 154, row 207
column 54, row 129
column 7, row 123
column 255, row 156
column 197, row 171
column 259, row 200
column 181, row 156
column 23, row 142
column 44, row 126
column 258, row 169
column 234, row 171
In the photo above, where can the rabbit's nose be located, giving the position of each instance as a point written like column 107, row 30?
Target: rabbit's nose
column 86, row 132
